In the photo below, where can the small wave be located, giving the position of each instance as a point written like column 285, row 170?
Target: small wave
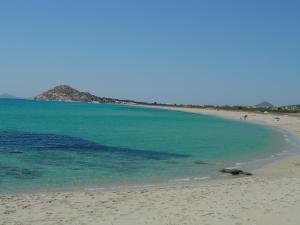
column 180, row 180
column 94, row 189
column 239, row 164
column 232, row 167
column 201, row 178
column 287, row 140
column 187, row 179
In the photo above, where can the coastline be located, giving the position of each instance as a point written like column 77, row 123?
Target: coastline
column 289, row 124
column 271, row 196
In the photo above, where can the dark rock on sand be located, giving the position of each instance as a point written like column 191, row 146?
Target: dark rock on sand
column 235, row 172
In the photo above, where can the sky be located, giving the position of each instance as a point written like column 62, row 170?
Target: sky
column 236, row 52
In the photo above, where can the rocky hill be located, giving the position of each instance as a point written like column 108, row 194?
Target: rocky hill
column 66, row 93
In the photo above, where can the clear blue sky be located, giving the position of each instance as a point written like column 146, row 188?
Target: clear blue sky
column 202, row 52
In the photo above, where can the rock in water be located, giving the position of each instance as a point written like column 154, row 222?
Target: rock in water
column 200, row 162
column 235, row 172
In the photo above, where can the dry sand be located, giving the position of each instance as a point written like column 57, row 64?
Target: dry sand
column 270, row 197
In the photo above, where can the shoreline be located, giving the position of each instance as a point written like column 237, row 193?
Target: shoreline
column 270, row 197
column 288, row 124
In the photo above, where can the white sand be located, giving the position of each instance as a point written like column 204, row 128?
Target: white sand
column 270, row 197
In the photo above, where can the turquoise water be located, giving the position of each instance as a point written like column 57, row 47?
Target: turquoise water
column 54, row 145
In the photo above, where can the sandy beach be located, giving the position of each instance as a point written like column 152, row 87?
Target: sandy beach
column 270, row 197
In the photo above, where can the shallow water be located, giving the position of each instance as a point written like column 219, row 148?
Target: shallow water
column 54, row 145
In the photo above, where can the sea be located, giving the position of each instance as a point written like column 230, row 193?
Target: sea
column 57, row 146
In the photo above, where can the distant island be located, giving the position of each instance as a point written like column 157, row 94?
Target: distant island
column 66, row 93
column 8, row 96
